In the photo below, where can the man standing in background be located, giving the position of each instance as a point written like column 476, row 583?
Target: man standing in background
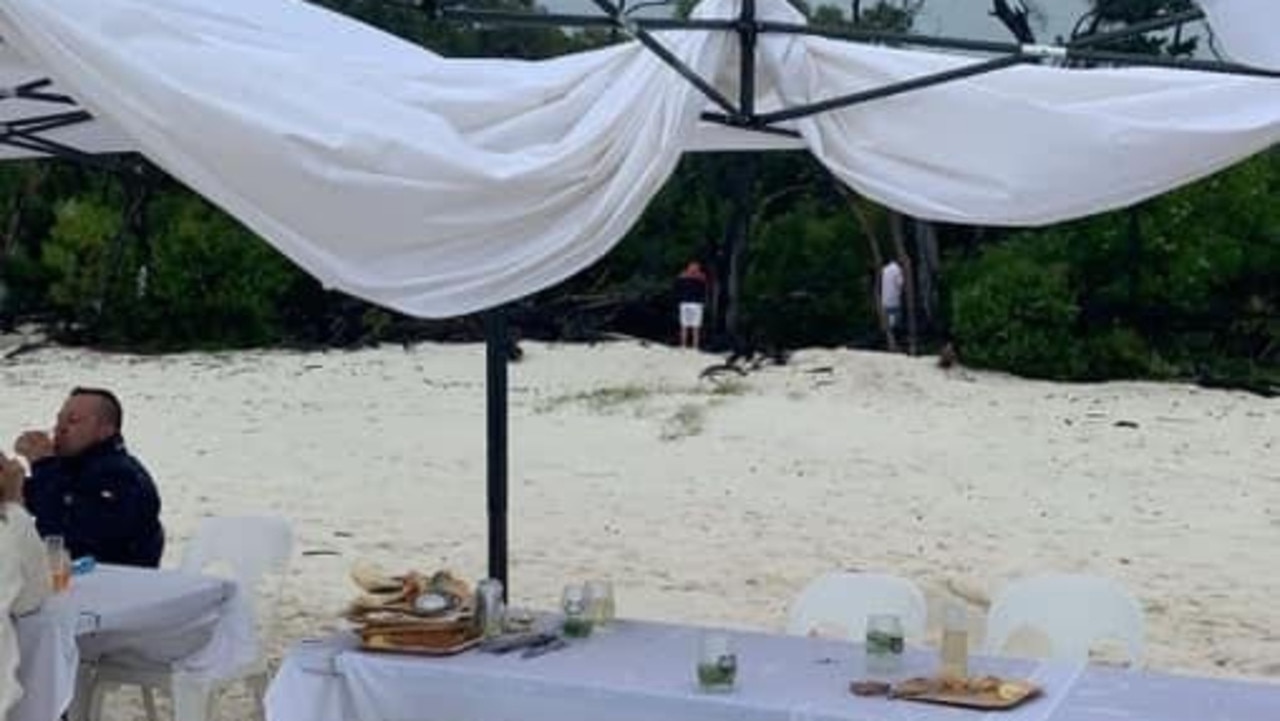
column 691, row 294
column 891, row 284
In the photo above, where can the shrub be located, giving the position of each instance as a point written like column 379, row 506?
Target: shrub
column 808, row 280
column 1011, row 312
column 211, row 282
column 78, row 256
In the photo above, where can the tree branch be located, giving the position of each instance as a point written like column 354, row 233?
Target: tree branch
column 1015, row 19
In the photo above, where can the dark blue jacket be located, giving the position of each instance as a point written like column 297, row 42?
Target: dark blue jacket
column 691, row 289
column 102, row 502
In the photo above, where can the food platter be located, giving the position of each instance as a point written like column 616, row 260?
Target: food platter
column 412, row 613
column 985, row 692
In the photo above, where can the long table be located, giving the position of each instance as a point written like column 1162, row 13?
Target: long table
column 130, row 615
column 640, row 671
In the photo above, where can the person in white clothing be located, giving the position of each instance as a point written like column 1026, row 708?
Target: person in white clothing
column 891, row 285
column 24, row 574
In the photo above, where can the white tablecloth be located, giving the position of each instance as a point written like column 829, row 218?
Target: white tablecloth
column 199, row 624
column 644, row 671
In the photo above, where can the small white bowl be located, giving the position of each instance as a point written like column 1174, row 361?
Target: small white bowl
column 430, row 603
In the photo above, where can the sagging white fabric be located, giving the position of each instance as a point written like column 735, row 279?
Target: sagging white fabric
column 440, row 186
column 1022, row 146
column 436, row 187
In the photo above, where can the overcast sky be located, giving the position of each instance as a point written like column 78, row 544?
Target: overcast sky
column 972, row 18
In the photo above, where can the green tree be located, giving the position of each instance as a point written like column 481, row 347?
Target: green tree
column 211, row 283
column 808, row 282
column 890, row 17
column 78, row 255
column 1016, row 310
column 1200, row 295
column 1109, row 15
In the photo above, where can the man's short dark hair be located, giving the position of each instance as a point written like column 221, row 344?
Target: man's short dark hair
column 109, row 408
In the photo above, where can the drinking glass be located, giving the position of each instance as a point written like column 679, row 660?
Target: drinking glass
column 717, row 662
column 955, row 642
column 577, row 616
column 884, row 644
column 490, row 610
column 59, row 563
column 599, row 597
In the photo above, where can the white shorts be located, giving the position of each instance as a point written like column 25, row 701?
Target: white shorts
column 690, row 315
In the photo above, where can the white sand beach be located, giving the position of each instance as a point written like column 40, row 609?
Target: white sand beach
column 709, row 502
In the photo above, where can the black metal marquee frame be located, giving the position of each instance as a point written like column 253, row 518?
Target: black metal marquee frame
column 743, row 114
column 28, row 133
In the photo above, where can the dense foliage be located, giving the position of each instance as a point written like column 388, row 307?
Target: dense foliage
column 1187, row 285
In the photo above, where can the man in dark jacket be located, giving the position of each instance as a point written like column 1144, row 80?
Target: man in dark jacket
column 85, row 487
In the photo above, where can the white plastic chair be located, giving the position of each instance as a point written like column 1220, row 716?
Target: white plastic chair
column 844, row 600
column 1074, row 611
column 256, row 550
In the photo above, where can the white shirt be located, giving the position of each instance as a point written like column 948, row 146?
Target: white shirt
column 891, row 282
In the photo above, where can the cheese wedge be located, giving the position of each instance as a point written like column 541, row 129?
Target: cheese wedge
column 1013, row 690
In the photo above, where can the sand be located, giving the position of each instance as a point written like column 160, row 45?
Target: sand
column 714, row 502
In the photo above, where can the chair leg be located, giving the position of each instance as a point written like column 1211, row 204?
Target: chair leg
column 191, row 700
column 85, row 683
column 149, row 703
column 257, row 684
column 93, row 705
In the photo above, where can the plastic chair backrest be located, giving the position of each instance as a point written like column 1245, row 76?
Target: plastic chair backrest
column 844, row 600
column 253, row 548
column 1074, row 611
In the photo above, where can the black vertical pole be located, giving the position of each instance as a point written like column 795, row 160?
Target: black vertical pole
column 748, row 32
column 743, row 173
column 496, row 342
column 743, row 170
column 1135, row 256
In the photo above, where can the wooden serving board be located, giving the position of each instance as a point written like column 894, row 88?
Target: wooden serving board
column 395, row 620
column 989, row 701
column 382, row 645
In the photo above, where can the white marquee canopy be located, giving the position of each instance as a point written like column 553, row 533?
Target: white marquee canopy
column 441, row 186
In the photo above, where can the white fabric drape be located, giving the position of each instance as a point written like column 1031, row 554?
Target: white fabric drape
column 439, row 187
column 1021, row 146
column 436, row 187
